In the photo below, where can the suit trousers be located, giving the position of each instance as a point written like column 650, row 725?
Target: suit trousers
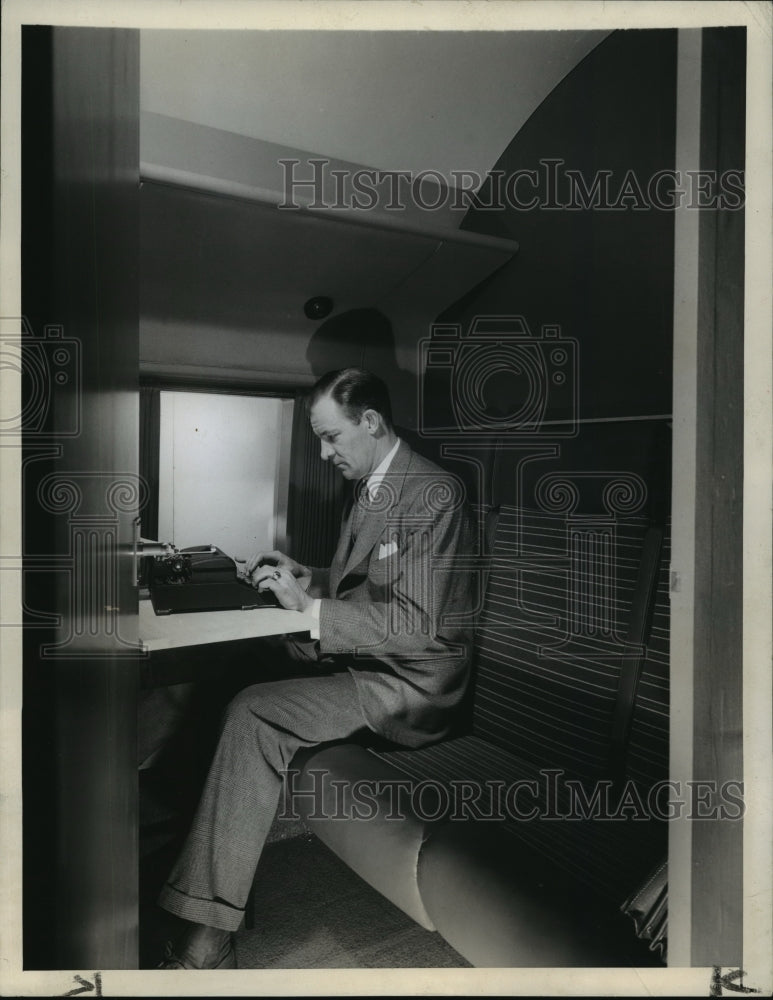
column 264, row 725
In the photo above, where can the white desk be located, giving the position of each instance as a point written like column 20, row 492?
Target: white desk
column 196, row 628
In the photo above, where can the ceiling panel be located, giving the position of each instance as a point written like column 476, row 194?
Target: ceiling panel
column 391, row 99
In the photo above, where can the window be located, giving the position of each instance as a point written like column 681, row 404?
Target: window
column 223, row 470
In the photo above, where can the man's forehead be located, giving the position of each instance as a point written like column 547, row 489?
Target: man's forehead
column 326, row 413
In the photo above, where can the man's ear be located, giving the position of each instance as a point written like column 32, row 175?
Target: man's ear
column 372, row 421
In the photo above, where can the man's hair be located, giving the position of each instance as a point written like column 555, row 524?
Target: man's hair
column 355, row 390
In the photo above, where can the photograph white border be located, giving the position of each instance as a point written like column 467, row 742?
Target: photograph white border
column 758, row 463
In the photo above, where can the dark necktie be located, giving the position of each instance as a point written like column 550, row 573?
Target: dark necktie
column 360, row 507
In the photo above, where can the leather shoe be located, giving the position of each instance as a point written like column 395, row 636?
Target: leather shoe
column 201, row 948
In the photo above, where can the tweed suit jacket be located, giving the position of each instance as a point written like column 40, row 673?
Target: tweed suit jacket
column 395, row 608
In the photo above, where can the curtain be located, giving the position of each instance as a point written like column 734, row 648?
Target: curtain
column 316, row 497
column 150, row 432
column 648, row 908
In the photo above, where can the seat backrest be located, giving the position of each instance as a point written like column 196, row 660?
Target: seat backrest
column 552, row 633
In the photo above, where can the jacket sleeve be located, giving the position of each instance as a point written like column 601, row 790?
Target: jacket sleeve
column 411, row 592
column 320, row 582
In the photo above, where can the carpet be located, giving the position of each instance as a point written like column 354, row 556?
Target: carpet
column 311, row 911
column 308, row 911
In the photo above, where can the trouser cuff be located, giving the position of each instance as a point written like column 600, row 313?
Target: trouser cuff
column 213, row 913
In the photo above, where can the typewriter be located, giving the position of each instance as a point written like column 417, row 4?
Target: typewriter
column 199, row 578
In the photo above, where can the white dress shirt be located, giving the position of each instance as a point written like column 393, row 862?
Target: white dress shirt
column 372, row 484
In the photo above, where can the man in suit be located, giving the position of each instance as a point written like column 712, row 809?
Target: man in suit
column 391, row 645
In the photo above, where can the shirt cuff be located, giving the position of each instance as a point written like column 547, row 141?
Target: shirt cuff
column 316, row 604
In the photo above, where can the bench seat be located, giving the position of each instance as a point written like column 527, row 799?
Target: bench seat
column 494, row 837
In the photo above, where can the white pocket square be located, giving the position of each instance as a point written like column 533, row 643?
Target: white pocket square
column 387, row 550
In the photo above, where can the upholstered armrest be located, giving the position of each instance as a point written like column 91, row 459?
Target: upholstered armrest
column 499, row 904
column 382, row 848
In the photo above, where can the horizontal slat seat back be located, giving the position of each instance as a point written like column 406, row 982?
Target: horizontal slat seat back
column 551, row 636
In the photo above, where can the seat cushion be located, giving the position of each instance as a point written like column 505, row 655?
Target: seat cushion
column 449, row 848
column 608, row 844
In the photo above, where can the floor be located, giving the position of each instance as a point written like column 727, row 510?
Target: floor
column 309, row 911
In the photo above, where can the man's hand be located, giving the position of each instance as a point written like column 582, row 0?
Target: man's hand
column 285, row 585
column 262, row 566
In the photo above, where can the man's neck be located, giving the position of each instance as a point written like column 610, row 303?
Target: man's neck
column 385, row 445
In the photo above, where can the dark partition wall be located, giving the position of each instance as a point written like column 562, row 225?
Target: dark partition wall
column 584, row 189
column 591, row 285
column 82, row 492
